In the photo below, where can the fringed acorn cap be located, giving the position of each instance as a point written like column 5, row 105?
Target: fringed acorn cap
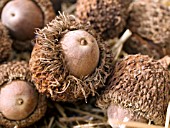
column 140, row 85
column 49, row 67
column 5, row 43
column 48, row 14
column 108, row 17
column 150, row 21
column 9, row 74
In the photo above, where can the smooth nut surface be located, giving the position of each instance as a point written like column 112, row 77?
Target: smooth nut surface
column 17, row 100
column 81, row 52
column 117, row 113
column 21, row 17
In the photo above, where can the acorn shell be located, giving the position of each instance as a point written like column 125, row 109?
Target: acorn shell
column 150, row 21
column 5, row 43
column 47, row 63
column 48, row 13
column 141, row 85
column 108, row 17
column 18, row 70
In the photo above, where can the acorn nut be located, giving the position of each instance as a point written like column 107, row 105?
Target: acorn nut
column 22, row 17
column 69, row 61
column 81, row 53
column 18, row 100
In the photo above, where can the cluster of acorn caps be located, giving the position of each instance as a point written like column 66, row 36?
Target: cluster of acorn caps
column 70, row 59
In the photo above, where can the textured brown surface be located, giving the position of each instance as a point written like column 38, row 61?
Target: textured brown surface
column 47, row 63
column 141, row 85
column 151, row 21
column 136, row 44
column 5, row 43
column 49, row 14
column 19, row 71
column 106, row 16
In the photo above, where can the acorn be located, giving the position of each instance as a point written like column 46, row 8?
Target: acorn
column 107, row 17
column 5, row 43
column 137, row 90
column 69, row 60
column 19, row 17
column 21, row 105
column 150, row 24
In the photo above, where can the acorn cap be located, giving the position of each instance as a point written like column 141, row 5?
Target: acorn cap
column 48, row 13
column 47, row 63
column 5, row 43
column 108, row 17
column 136, row 44
column 151, row 21
column 140, row 85
column 18, row 70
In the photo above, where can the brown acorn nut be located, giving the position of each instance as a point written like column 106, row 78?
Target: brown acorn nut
column 139, row 87
column 19, row 17
column 21, row 105
column 81, row 52
column 18, row 100
column 108, row 17
column 64, row 50
column 5, row 43
column 150, row 23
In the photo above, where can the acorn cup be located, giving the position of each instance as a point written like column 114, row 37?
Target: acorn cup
column 150, row 24
column 5, row 43
column 138, row 90
column 20, row 103
column 22, row 17
column 69, row 61
column 107, row 17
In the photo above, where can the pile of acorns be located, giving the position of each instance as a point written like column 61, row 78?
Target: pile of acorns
column 71, row 60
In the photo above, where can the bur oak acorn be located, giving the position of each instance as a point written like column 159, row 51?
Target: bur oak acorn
column 138, row 90
column 21, row 105
column 107, row 17
column 150, row 24
column 69, row 60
